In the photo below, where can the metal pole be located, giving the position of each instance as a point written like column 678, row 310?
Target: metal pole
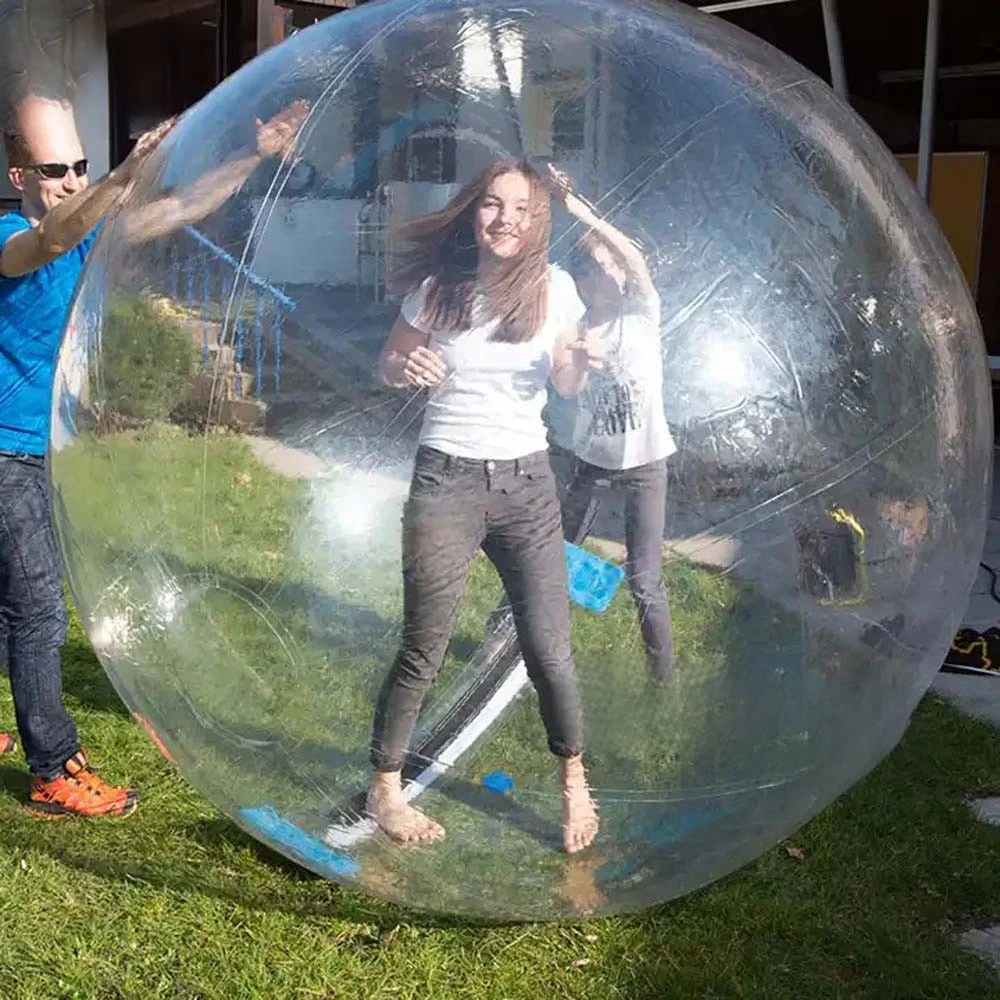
column 929, row 101
column 835, row 49
column 728, row 5
column 229, row 37
column 503, row 78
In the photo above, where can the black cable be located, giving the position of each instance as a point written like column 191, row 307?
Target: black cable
column 995, row 581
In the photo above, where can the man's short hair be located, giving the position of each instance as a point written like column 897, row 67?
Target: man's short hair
column 18, row 154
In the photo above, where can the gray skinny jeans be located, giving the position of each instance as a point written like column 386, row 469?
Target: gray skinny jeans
column 509, row 509
column 645, row 493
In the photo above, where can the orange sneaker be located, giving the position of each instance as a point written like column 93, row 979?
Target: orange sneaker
column 7, row 744
column 78, row 791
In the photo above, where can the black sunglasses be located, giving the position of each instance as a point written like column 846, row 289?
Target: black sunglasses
column 57, row 171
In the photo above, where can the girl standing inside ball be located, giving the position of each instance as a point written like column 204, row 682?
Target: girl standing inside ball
column 619, row 433
column 485, row 324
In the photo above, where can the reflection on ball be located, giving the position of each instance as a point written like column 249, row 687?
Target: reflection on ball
column 706, row 284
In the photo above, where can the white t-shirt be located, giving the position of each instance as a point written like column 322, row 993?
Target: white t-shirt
column 620, row 423
column 490, row 403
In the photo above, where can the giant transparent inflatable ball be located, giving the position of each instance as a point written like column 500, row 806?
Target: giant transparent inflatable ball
column 231, row 471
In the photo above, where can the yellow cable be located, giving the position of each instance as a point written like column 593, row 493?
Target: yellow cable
column 845, row 517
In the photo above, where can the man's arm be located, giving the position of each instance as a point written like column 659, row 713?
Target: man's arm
column 76, row 218
column 275, row 137
column 167, row 215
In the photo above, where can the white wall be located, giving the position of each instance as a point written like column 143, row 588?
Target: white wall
column 92, row 108
column 315, row 241
column 93, row 115
column 307, row 242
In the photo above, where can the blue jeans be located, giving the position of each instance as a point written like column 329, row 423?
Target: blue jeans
column 32, row 614
column 509, row 509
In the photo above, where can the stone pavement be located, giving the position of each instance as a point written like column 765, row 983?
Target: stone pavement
column 985, row 943
column 979, row 696
column 983, row 609
column 987, row 810
column 296, row 463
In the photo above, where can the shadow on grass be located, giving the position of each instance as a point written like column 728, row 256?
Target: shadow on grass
column 240, row 757
column 15, row 781
column 124, row 851
column 193, row 854
column 335, row 626
column 84, row 679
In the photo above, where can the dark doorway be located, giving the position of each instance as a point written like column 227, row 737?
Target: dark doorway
column 158, row 67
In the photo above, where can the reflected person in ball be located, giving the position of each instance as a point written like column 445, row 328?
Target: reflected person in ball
column 619, row 436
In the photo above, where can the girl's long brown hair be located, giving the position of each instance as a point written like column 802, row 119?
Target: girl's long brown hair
column 442, row 246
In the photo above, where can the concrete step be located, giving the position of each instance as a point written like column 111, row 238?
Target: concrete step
column 986, row 811
column 976, row 695
column 984, row 942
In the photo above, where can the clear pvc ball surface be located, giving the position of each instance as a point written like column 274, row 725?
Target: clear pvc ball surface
column 230, row 472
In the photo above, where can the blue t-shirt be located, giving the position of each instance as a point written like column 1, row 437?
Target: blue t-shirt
column 33, row 312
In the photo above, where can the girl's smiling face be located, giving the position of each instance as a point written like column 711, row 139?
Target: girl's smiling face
column 503, row 216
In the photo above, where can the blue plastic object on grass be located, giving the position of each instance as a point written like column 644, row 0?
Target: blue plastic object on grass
column 286, row 835
column 592, row 580
column 498, row 781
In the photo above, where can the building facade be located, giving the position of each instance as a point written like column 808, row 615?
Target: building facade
column 159, row 57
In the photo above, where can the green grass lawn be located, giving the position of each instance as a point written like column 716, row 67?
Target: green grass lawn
column 261, row 669
column 179, row 902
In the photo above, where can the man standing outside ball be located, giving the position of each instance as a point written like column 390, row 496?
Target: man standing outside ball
column 43, row 248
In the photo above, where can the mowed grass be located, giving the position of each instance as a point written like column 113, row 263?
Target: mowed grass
column 252, row 619
column 178, row 902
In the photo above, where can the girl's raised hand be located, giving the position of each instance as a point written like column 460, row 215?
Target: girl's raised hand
column 424, row 368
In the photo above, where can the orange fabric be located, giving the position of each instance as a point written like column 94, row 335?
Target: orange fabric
column 151, row 732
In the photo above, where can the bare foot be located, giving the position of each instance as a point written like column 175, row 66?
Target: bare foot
column 579, row 814
column 402, row 822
